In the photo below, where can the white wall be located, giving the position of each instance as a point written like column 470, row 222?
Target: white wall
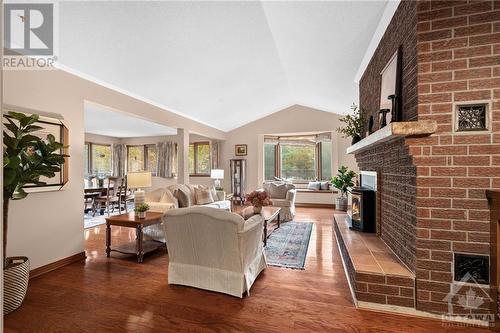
column 292, row 120
column 48, row 226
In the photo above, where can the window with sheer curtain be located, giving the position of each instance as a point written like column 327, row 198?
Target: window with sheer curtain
column 298, row 158
column 199, row 159
column 142, row 158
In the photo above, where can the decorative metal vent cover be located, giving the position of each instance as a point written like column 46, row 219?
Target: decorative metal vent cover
column 472, row 268
column 471, row 117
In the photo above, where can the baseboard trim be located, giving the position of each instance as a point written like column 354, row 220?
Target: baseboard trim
column 57, row 264
column 315, row 205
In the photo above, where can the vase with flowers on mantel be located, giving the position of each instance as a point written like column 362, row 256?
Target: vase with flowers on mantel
column 258, row 199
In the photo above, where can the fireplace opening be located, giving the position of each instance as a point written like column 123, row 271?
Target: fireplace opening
column 472, row 268
column 362, row 203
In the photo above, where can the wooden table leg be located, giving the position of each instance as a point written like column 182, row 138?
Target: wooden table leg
column 108, row 239
column 140, row 251
column 278, row 220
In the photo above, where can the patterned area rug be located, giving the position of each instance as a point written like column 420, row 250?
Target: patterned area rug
column 287, row 246
column 90, row 221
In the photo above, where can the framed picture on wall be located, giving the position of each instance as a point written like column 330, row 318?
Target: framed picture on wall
column 240, row 150
column 390, row 88
column 56, row 127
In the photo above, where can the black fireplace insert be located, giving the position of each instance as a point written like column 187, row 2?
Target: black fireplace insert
column 362, row 209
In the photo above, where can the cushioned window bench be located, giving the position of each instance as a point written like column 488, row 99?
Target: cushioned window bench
column 315, row 198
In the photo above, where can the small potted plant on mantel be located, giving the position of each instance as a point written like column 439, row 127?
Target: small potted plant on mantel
column 141, row 210
column 342, row 181
column 26, row 158
column 353, row 124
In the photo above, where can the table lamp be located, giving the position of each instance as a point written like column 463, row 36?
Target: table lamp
column 139, row 180
column 217, row 174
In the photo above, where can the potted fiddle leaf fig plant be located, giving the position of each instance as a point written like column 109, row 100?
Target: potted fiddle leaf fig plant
column 26, row 158
column 353, row 124
column 342, row 181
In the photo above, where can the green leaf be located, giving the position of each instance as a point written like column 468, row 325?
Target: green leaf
column 19, row 194
column 32, row 128
column 17, row 115
column 28, row 120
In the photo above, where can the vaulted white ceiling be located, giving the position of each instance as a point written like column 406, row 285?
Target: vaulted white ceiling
column 222, row 63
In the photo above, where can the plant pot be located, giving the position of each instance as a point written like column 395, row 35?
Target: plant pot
column 341, row 203
column 141, row 215
column 15, row 282
column 257, row 209
column 355, row 139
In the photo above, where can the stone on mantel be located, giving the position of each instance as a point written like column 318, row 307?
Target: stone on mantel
column 393, row 131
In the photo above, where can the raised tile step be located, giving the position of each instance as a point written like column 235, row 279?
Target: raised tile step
column 375, row 273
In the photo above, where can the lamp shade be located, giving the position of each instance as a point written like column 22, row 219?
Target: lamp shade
column 217, row 174
column 139, row 179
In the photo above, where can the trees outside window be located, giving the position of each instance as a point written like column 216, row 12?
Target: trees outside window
column 199, row 158
column 142, row 158
column 298, row 158
column 101, row 159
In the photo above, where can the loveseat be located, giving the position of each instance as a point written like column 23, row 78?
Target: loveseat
column 213, row 249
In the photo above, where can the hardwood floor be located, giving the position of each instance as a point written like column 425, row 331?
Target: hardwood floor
column 119, row 295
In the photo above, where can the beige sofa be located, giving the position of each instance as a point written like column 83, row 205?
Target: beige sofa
column 164, row 199
column 283, row 196
column 214, row 249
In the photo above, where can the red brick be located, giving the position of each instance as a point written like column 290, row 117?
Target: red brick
column 471, row 226
column 373, row 298
column 371, row 278
column 448, row 171
column 435, row 98
column 472, row 52
column 433, row 244
column 423, row 274
column 433, row 202
column 448, row 235
column 432, row 307
column 441, row 276
column 427, row 140
column 433, row 286
column 423, row 27
column 435, row 56
column 429, row 160
column 445, row 140
column 400, row 301
column 449, row 23
column 383, row 289
column 480, row 248
column 423, row 253
column 472, row 95
column 406, row 292
column 449, row 86
column 433, row 224
column 423, row 192
column 439, row 118
column 471, row 160
column 449, row 150
column 442, row 108
column 433, row 181
column 434, row 35
column 424, row 88
column 484, row 61
column 423, row 233
column 450, row 44
column 484, row 17
column 434, row 14
column 484, row 39
column 442, row 255
column 448, row 192
column 471, row 30
column 473, row 73
column 449, row 65
column 472, row 8
column 476, row 194
column 448, row 214
column 474, row 139
column 484, row 171
column 484, row 83
column 423, row 295
column 435, row 77
column 470, row 203
column 478, row 237
column 484, row 149
column 361, row 286
column 399, row 281
column 436, row 4
column 470, row 182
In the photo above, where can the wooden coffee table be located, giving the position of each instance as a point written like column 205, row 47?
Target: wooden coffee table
column 139, row 247
column 269, row 214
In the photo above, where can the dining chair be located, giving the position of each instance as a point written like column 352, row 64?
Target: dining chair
column 112, row 196
column 124, row 195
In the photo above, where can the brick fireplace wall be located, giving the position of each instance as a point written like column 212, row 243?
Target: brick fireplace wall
column 440, row 179
column 396, row 175
column 458, row 63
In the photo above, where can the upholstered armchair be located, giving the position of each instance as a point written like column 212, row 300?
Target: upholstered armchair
column 214, row 249
column 283, row 196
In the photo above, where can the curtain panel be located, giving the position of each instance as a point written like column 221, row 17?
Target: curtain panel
column 167, row 159
column 215, row 153
column 119, row 159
